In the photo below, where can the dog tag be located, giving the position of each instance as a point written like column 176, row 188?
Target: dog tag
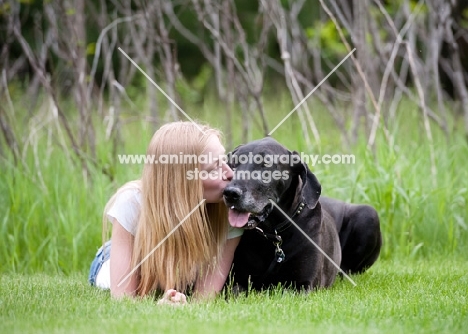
column 280, row 255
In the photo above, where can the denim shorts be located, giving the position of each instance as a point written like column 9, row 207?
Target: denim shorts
column 102, row 255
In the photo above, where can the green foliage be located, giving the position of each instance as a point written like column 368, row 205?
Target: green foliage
column 90, row 49
column 5, row 9
column 325, row 35
column 192, row 92
column 464, row 18
column 416, row 7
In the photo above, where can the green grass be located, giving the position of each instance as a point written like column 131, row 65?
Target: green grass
column 51, row 212
column 50, row 228
column 393, row 297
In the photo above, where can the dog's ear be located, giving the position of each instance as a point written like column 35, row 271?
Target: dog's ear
column 311, row 188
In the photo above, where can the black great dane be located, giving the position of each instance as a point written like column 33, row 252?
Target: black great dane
column 272, row 250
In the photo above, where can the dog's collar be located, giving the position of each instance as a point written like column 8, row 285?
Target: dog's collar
column 297, row 208
column 273, row 236
column 286, row 223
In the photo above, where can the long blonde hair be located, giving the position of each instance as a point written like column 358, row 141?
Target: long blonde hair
column 168, row 197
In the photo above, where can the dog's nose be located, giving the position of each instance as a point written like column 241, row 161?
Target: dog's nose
column 232, row 193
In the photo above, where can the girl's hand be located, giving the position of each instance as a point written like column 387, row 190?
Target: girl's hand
column 172, row 297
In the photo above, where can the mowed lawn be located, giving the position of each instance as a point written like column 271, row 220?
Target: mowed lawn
column 423, row 296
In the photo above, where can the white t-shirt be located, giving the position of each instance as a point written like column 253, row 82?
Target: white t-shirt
column 125, row 210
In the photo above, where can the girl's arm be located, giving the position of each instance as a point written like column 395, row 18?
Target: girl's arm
column 120, row 267
column 120, row 262
column 215, row 279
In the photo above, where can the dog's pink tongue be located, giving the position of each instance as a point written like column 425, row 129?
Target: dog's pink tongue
column 237, row 218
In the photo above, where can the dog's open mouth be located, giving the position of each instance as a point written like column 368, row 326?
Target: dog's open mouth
column 248, row 220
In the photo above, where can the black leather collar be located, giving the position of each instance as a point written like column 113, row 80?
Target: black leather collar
column 284, row 224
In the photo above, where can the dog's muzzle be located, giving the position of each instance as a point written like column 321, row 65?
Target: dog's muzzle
column 248, row 220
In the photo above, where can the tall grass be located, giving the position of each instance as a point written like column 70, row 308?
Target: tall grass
column 50, row 211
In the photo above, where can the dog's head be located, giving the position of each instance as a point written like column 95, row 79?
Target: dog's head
column 264, row 170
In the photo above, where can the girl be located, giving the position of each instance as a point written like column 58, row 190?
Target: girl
column 169, row 229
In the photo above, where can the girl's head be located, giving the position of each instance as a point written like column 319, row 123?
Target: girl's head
column 187, row 175
column 189, row 158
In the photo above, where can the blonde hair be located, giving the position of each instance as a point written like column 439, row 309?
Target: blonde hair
column 168, row 197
